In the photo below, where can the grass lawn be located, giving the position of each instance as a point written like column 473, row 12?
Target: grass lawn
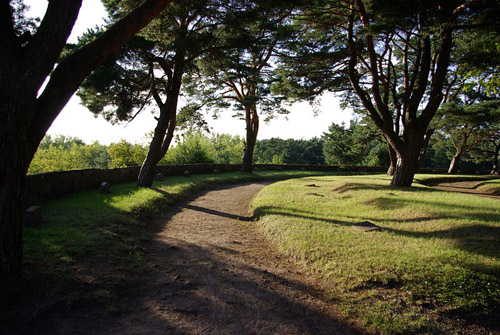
column 436, row 257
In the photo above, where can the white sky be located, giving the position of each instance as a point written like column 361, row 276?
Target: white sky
column 75, row 120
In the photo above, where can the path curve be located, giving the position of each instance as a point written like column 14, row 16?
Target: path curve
column 214, row 273
column 468, row 187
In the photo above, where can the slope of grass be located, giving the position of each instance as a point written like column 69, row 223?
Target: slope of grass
column 490, row 186
column 437, row 253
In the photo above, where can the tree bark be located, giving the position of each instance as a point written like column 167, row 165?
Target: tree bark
column 148, row 168
column 406, row 166
column 394, row 160
column 24, row 66
column 452, row 169
column 252, row 128
column 409, row 155
column 12, row 183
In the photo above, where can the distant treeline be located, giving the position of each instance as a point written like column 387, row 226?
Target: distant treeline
column 340, row 146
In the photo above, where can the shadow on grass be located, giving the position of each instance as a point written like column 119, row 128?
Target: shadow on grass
column 269, row 210
column 348, row 187
column 477, row 239
column 343, row 187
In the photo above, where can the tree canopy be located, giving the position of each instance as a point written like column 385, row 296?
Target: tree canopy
column 394, row 55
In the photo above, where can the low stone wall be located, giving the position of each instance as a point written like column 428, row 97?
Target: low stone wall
column 44, row 186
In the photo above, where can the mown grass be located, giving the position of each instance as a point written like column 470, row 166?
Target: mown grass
column 436, row 255
column 91, row 247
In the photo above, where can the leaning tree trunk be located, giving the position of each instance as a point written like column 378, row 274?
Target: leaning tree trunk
column 148, row 168
column 252, row 128
column 452, row 169
column 162, row 138
column 165, row 126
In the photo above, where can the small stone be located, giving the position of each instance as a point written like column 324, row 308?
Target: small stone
column 104, row 188
column 187, row 173
column 366, row 226
column 159, row 176
column 33, row 216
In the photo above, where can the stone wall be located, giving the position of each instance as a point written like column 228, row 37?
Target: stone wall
column 43, row 186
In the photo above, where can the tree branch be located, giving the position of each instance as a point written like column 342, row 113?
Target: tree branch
column 69, row 74
column 50, row 39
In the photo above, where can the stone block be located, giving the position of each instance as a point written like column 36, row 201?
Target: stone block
column 159, row 176
column 366, row 226
column 216, row 171
column 33, row 216
column 187, row 173
column 104, row 188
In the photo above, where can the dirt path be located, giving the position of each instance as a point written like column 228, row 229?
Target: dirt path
column 468, row 187
column 214, row 273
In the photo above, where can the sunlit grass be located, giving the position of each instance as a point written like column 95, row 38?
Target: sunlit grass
column 437, row 252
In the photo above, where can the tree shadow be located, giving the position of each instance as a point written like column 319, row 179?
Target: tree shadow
column 177, row 288
column 476, row 239
column 217, row 213
column 270, row 210
column 201, row 292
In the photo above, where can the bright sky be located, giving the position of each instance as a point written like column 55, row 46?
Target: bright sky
column 75, row 120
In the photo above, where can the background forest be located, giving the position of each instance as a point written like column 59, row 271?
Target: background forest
column 344, row 145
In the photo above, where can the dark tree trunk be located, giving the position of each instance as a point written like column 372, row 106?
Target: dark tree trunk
column 408, row 155
column 496, row 168
column 24, row 66
column 452, row 169
column 406, row 166
column 11, row 228
column 148, row 168
column 165, row 126
column 252, row 128
column 12, row 181
column 394, row 159
column 17, row 101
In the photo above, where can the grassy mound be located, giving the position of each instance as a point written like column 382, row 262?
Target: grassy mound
column 436, row 255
